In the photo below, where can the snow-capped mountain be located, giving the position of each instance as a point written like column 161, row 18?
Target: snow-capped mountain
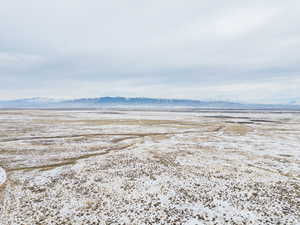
column 133, row 102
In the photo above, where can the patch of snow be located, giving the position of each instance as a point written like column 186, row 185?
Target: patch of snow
column 193, row 221
column 2, row 176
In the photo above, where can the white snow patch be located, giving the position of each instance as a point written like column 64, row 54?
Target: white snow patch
column 193, row 221
column 2, row 176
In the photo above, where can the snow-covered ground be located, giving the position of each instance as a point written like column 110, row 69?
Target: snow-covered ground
column 143, row 167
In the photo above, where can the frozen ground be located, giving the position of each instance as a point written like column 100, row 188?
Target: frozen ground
column 142, row 167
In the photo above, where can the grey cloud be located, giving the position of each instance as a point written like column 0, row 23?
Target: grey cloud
column 169, row 44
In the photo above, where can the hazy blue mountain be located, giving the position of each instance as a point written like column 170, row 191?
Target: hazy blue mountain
column 133, row 102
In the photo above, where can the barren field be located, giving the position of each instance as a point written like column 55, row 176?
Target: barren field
column 149, row 167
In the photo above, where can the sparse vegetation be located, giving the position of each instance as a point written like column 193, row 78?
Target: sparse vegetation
column 81, row 167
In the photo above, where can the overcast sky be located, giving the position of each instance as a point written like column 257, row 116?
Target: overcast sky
column 245, row 51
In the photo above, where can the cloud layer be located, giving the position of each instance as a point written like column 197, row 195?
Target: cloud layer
column 233, row 50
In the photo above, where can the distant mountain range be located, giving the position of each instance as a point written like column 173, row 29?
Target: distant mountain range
column 122, row 102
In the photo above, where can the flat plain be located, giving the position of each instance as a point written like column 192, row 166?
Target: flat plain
column 149, row 167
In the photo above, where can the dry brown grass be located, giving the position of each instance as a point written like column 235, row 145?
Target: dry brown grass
column 71, row 160
column 42, row 167
column 236, row 129
column 125, row 122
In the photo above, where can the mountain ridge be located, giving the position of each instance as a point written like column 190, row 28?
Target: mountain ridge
column 108, row 101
